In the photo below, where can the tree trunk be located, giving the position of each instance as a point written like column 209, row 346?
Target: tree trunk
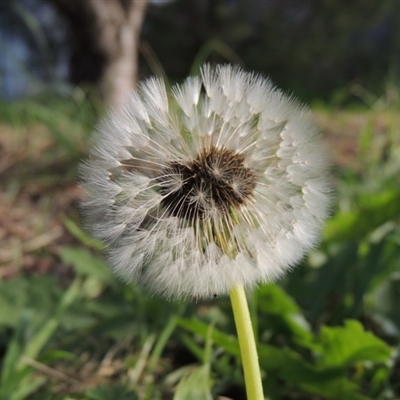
column 105, row 40
column 118, row 30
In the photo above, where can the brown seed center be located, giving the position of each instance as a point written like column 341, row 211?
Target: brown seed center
column 216, row 180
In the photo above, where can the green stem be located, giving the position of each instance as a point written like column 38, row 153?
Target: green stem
column 248, row 349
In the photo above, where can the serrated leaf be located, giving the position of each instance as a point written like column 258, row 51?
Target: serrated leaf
column 345, row 346
column 287, row 365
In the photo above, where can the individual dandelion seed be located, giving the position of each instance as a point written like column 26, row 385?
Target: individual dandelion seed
column 221, row 183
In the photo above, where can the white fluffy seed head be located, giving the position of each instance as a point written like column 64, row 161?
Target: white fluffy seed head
column 222, row 183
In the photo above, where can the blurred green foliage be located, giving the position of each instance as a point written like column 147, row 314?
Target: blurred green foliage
column 329, row 330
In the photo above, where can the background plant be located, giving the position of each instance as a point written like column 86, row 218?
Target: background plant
column 329, row 330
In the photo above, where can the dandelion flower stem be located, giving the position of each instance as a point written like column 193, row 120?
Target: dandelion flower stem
column 247, row 344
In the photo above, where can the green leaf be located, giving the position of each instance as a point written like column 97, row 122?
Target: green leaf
column 161, row 343
column 13, row 354
column 228, row 342
column 287, row 365
column 195, row 384
column 192, row 346
column 386, row 300
column 345, row 346
column 35, row 292
column 278, row 305
column 75, row 230
column 276, row 301
column 87, row 264
column 372, row 211
column 17, row 380
column 110, row 392
column 314, row 288
column 381, row 259
column 26, row 387
column 40, row 339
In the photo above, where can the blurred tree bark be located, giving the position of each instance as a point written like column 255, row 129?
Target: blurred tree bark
column 105, row 38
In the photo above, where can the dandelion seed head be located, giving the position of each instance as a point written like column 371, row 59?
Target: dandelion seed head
column 216, row 177
column 222, row 183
